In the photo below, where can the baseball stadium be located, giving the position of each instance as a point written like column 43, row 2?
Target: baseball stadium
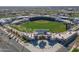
column 41, row 33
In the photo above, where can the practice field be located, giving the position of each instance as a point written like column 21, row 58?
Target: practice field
column 34, row 25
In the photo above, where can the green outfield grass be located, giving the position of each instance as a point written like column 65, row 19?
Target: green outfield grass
column 31, row 26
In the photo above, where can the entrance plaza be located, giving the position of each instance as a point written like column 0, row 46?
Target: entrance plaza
column 51, row 42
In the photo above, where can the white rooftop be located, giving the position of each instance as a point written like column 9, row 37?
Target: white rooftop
column 63, row 35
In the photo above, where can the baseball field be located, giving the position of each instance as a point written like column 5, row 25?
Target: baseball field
column 41, row 24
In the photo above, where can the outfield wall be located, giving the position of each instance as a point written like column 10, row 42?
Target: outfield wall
column 42, row 18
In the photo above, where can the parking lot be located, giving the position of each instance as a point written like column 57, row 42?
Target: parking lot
column 4, row 45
